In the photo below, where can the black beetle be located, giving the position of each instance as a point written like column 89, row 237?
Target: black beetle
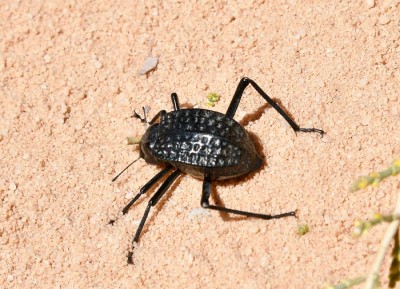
column 205, row 144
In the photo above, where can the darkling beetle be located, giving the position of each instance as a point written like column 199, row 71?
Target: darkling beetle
column 205, row 144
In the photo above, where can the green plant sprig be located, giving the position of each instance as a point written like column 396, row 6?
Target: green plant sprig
column 346, row 283
column 374, row 178
column 362, row 227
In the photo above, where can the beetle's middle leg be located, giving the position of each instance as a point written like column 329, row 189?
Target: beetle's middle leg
column 146, row 187
column 152, row 202
column 244, row 82
column 205, row 204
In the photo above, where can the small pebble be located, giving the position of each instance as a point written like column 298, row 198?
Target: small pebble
column 329, row 51
column 123, row 100
column 47, row 58
column 327, row 219
column 384, row 19
column 248, row 251
column 98, row 64
column 189, row 259
column 264, row 262
column 60, row 121
column 78, row 126
column 149, row 64
column 363, row 82
column 254, row 229
column 321, row 83
column 198, row 212
column 129, row 195
column 25, row 156
column 12, row 186
column 300, row 35
column 370, row 3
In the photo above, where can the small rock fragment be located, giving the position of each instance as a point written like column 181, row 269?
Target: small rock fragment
column 149, row 64
column 129, row 195
column 384, row 19
column 370, row 3
column 47, row 58
column 98, row 64
column 363, row 82
column 12, row 186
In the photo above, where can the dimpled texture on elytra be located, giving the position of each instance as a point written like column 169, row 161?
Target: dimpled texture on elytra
column 199, row 137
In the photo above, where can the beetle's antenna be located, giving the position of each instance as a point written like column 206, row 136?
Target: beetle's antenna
column 136, row 115
column 142, row 119
column 116, row 177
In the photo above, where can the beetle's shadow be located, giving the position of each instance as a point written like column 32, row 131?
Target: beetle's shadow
column 250, row 117
column 233, row 182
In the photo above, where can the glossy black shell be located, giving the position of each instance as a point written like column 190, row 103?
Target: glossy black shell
column 201, row 142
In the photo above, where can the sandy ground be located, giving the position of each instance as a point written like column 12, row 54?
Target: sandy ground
column 69, row 82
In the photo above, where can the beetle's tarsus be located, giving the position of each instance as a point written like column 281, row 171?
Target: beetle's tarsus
column 136, row 115
column 320, row 131
column 293, row 214
column 130, row 257
column 111, row 222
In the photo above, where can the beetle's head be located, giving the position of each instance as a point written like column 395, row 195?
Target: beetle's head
column 147, row 143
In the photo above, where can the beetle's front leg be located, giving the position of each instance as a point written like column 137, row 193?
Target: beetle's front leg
column 159, row 114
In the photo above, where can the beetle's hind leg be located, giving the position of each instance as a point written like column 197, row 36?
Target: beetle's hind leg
column 205, row 204
column 244, row 82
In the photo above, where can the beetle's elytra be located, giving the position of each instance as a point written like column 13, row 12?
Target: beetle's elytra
column 205, row 144
column 201, row 142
